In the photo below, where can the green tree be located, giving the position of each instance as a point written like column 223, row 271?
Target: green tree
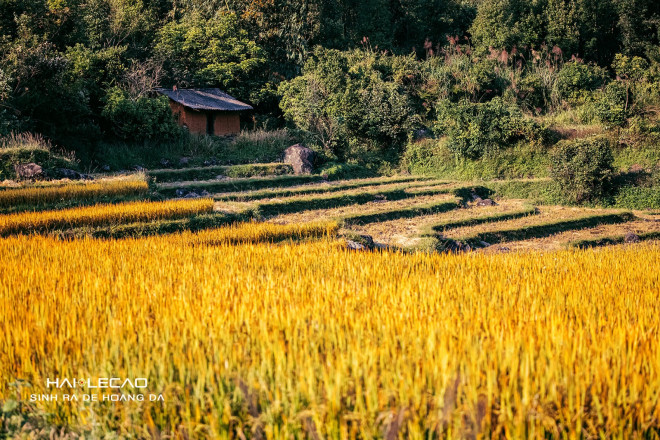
column 214, row 52
column 139, row 119
column 351, row 104
column 504, row 24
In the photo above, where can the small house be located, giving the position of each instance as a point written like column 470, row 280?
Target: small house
column 206, row 111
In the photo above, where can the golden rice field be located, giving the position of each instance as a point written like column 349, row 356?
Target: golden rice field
column 101, row 214
column 258, row 233
column 43, row 194
column 310, row 340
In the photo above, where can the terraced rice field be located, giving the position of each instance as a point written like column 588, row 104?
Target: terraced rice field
column 408, row 212
column 411, row 213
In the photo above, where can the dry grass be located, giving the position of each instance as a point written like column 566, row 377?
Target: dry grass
column 324, row 214
column 365, row 208
column 317, row 188
column 563, row 239
column 546, row 214
column 410, row 232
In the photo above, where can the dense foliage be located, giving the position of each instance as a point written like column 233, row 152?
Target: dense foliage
column 358, row 80
column 583, row 167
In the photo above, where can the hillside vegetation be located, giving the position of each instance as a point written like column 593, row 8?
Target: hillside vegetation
column 474, row 89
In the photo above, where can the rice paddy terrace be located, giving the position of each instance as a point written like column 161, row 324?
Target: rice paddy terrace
column 406, row 212
column 410, row 212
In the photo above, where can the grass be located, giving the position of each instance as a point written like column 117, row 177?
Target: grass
column 29, row 148
column 316, row 189
column 299, row 204
column 545, row 229
column 229, row 223
column 247, row 184
column 638, row 198
column 451, row 224
column 413, row 211
column 255, row 146
column 158, row 227
column 431, row 157
column 211, row 172
column 612, row 240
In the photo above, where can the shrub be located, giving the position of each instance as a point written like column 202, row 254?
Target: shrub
column 583, row 168
column 532, row 93
column 260, row 145
column 339, row 171
column 139, row 119
column 29, row 148
column 477, row 129
column 576, row 77
column 612, row 105
column 433, row 157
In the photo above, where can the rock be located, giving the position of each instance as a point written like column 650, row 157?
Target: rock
column 66, row 173
column 165, row 163
column 449, row 245
column 184, row 161
column 484, row 244
column 486, row 202
column 221, row 177
column 105, row 168
column 380, row 198
column 368, row 240
column 631, row 238
column 301, row 158
column 29, row 171
column 191, row 195
column 354, row 245
column 205, row 193
column 421, row 133
column 210, row 162
column 180, row 192
column 636, row 168
column 138, row 168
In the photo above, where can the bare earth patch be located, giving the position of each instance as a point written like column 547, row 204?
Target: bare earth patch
column 563, row 239
column 546, row 214
column 365, row 208
column 410, row 232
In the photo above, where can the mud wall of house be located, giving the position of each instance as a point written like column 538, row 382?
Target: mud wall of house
column 194, row 121
column 226, row 123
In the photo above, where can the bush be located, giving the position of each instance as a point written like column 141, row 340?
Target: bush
column 339, row 171
column 612, row 105
column 477, row 129
column 433, row 157
column 583, row 168
column 576, row 78
column 29, row 148
column 139, row 119
column 256, row 146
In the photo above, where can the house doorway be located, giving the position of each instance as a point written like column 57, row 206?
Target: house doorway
column 210, row 122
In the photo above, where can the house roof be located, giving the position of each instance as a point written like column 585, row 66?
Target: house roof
column 205, row 99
